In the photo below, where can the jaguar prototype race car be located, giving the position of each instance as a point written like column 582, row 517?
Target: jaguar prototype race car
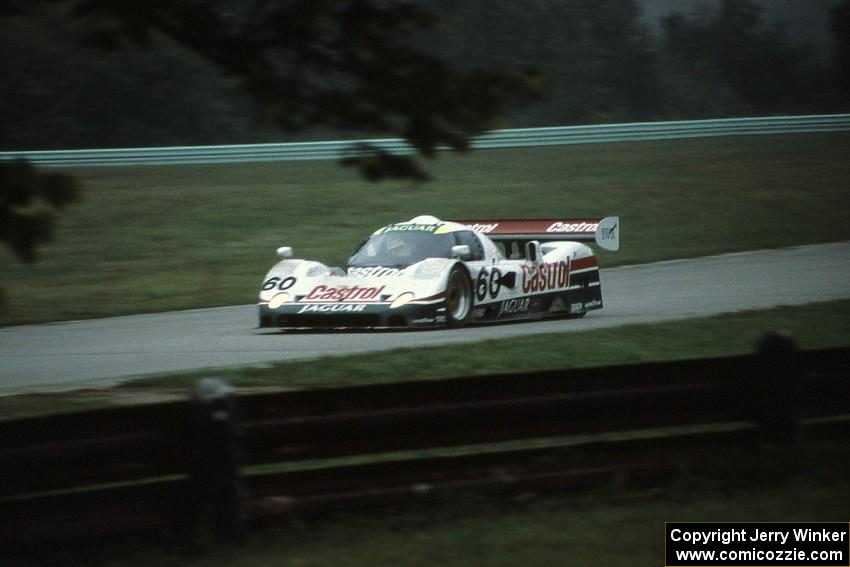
column 428, row 272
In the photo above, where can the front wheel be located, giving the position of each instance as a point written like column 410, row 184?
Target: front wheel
column 458, row 298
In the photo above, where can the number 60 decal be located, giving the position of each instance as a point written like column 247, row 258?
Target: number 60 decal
column 488, row 282
column 281, row 284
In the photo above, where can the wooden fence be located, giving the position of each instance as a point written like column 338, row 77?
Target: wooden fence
column 223, row 461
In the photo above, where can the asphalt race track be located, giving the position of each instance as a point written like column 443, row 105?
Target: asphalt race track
column 101, row 352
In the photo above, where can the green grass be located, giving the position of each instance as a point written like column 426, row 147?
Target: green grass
column 613, row 525
column 160, row 238
column 148, row 239
column 813, row 326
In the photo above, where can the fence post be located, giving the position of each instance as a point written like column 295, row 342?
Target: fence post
column 217, row 491
column 774, row 389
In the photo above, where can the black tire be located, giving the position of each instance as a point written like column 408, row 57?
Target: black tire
column 458, row 298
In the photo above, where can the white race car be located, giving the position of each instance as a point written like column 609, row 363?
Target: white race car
column 428, row 272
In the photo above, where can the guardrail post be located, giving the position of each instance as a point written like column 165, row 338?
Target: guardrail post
column 218, row 493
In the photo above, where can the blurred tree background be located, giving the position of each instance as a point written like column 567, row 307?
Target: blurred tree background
column 101, row 74
column 599, row 61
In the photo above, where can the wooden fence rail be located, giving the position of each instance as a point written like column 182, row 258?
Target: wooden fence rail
column 220, row 460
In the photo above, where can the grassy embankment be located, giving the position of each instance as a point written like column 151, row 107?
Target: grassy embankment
column 149, row 239
column 813, row 326
column 169, row 238
column 612, row 525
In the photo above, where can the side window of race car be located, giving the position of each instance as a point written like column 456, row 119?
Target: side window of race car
column 471, row 239
column 356, row 250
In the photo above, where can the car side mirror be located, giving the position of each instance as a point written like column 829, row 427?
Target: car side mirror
column 532, row 252
column 285, row 251
column 461, row 252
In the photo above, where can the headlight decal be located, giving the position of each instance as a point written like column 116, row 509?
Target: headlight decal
column 402, row 300
column 278, row 300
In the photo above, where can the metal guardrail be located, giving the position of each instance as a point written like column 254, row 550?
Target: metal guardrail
column 497, row 139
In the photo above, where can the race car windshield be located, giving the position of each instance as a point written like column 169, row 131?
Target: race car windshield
column 401, row 249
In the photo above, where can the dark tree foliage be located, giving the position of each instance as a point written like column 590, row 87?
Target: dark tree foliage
column 840, row 25
column 435, row 72
column 354, row 65
column 29, row 203
column 597, row 58
column 761, row 66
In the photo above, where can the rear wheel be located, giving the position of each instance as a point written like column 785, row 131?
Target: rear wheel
column 458, row 298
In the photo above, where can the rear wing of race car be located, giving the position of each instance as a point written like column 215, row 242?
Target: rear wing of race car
column 603, row 231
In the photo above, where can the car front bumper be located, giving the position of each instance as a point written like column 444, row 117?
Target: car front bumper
column 347, row 315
